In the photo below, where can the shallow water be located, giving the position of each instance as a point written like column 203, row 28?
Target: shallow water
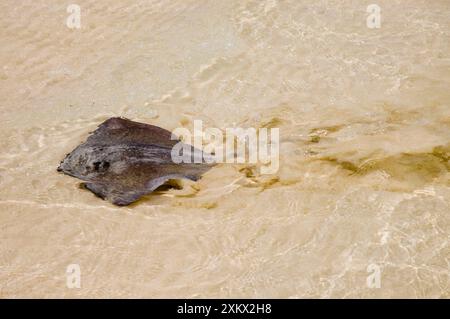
column 364, row 118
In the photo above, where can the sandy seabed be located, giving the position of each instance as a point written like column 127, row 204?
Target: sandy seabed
column 364, row 118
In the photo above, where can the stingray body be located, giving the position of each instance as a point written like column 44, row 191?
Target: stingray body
column 123, row 160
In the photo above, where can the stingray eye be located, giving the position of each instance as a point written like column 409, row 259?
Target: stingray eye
column 97, row 166
column 101, row 166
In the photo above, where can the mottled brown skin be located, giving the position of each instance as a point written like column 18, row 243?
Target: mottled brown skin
column 123, row 160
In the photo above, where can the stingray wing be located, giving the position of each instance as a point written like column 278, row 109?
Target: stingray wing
column 117, row 130
column 140, row 179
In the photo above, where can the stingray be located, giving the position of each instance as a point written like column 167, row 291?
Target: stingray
column 123, row 160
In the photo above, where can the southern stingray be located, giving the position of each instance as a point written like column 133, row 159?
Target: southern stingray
column 123, row 160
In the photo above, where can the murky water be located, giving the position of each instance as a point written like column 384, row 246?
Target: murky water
column 364, row 117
